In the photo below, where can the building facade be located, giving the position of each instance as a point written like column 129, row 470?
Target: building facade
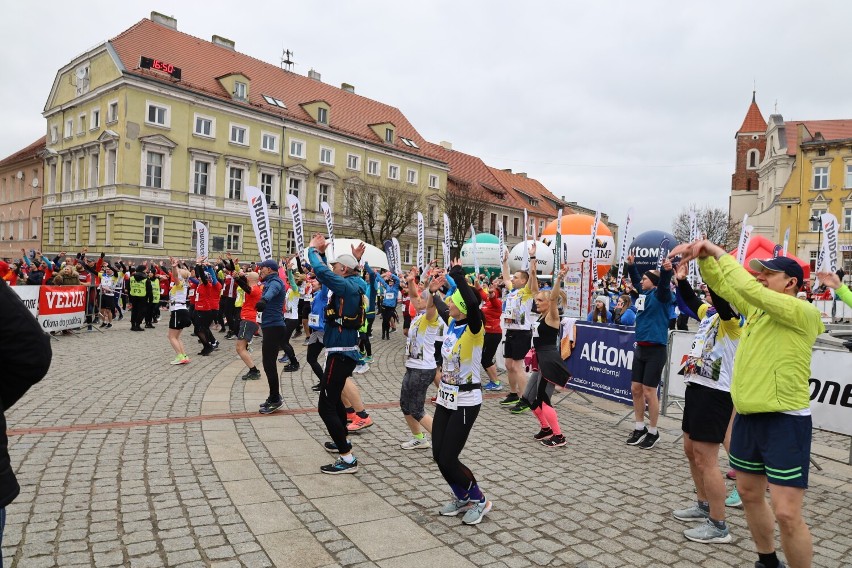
column 21, row 185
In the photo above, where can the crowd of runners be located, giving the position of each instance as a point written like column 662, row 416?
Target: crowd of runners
column 756, row 404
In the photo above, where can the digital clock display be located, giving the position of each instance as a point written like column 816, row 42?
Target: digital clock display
column 160, row 65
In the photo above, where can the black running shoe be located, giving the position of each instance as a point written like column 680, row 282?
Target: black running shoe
column 554, row 441
column 510, row 400
column 291, row 368
column 317, row 387
column 543, row 434
column 636, row 436
column 206, row 351
column 271, row 406
column 649, row 441
column 251, row 375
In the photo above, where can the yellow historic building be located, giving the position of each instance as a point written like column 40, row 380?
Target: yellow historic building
column 155, row 128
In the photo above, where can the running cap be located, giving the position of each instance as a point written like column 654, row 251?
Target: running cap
column 346, row 260
column 270, row 264
column 458, row 301
column 779, row 264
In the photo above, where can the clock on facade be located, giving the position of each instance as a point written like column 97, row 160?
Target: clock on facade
column 160, row 65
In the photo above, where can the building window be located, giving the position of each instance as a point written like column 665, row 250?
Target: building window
column 297, row 148
column 93, row 229
column 54, row 134
column 493, row 226
column 821, row 177
column 69, row 128
column 158, row 115
column 81, row 166
column 112, row 163
column 430, row 253
column 433, row 181
column 480, row 222
column 66, row 175
column 847, row 219
column 753, row 159
column 326, row 156
column 153, row 230
column 108, row 234
column 406, row 254
column 200, row 178
column 154, row 169
column 349, row 202
column 322, row 115
column 431, row 214
column 240, row 90
column 234, row 237
column 66, row 230
column 291, row 242
column 848, row 183
column 324, row 194
column 204, row 126
column 51, row 182
column 389, row 135
column 393, row 171
column 94, row 170
column 268, row 142
column 239, row 135
column 267, row 181
column 81, row 124
column 294, row 188
column 540, row 227
column 815, row 219
column 515, row 227
column 51, row 231
column 235, row 182
column 96, row 118
column 112, row 112
column 411, row 176
column 353, row 162
column 373, row 167
column 77, row 226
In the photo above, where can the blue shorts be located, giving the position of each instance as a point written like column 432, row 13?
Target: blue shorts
column 773, row 444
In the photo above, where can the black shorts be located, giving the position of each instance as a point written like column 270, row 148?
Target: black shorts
column 648, row 364
column 439, row 358
column 773, row 444
column 304, row 309
column 517, row 344
column 489, row 349
column 179, row 319
column 706, row 413
column 247, row 330
column 107, row 302
column 406, row 319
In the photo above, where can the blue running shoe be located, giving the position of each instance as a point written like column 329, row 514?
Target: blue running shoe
column 492, row 386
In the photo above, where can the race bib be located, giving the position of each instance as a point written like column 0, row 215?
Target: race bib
column 448, row 396
column 313, row 320
column 640, row 303
column 509, row 314
column 535, row 329
column 390, row 296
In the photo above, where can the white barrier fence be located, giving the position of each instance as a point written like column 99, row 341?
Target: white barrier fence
column 834, row 309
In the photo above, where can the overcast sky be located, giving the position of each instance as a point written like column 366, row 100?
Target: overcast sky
column 612, row 104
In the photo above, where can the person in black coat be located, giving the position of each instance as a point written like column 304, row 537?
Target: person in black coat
column 26, row 353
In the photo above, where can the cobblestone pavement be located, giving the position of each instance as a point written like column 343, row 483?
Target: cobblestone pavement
column 125, row 460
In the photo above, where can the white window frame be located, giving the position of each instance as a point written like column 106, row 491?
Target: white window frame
column 264, row 138
column 143, row 171
column 66, row 174
column 389, row 135
column 232, row 194
column 434, row 182
column 54, row 134
column 301, row 146
column 406, row 254
column 167, row 114
column 110, row 219
column 66, row 230
column 848, row 181
column 81, row 124
column 393, row 172
column 111, row 165
column 77, row 225
column 93, row 229
column 209, row 119
column 69, row 128
column 240, row 90
column 411, row 176
column 350, row 158
column 329, row 198
column 51, row 231
column 816, row 212
column 847, row 218
column 430, row 253
column 148, row 231
column 94, row 169
column 234, row 230
column 234, row 128
column 300, row 183
column 820, row 180
column 273, row 185
column 193, row 187
column 212, row 160
column 322, row 115
column 95, row 121
column 112, row 112
column 374, row 167
column 149, row 177
column 431, row 215
column 348, row 201
column 78, row 177
column 329, row 161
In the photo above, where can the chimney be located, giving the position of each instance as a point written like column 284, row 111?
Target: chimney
column 522, row 174
column 315, row 75
column 164, row 20
column 446, row 145
column 507, row 170
column 347, row 87
column 224, row 42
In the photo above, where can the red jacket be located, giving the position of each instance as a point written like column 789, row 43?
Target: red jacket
column 492, row 310
column 207, row 296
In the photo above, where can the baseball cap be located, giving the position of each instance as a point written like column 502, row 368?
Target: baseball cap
column 346, row 260
column 270, row 264
column 779, row 264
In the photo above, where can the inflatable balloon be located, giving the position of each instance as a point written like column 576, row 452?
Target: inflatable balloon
column 544, row 258
column 577, row 233
column 646, row 248
column 487, row 253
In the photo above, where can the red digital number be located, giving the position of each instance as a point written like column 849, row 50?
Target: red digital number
column 165, row 67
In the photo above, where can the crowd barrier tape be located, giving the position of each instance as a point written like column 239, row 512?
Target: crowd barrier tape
column 55, row 307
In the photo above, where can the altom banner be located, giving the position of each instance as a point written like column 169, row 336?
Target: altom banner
column 602, row 360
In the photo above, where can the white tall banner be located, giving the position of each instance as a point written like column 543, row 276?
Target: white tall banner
column 593, row 248
column 298, row 228
column 202, row 243
column 558, row 259
column 447, row 241
column 473, row 248
column 693, row 236
column 786, row 240
column 260, row 221
column 624, row 241
column 501, row 237
column 329, row 225
column 398, row 256
column 525, row 256
column 829, row 243
column 421, row 244
column 745, row 237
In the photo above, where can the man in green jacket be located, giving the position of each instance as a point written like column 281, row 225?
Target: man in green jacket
column 771, row 438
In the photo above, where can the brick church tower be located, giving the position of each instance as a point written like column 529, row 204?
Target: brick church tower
column 751, row 146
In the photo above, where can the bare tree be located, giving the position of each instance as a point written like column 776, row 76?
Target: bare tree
column 464, row 204
column 713, row 222
column 379, row 212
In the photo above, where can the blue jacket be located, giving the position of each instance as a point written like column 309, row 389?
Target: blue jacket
column 652, row 308
column 390, row 289
column 274, row 295
column 628, row 317
column 318, row 304
column 372, row 277
column 350, row 288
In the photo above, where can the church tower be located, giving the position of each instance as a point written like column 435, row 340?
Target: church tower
column 751, row 147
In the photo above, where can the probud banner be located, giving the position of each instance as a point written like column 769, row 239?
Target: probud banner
column 501, row 236
column 447, row 241
column 397, row 256
column 259, row 215
column 202, row 243
column 624, row 241
column 298, row 228
column 329, row 224
column 421, row 244
column 829, row 242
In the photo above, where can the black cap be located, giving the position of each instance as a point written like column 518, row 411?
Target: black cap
column 779, row 264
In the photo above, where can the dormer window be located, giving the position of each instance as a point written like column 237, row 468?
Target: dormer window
column 322, row 115
column 240, row 90
column 389, row 135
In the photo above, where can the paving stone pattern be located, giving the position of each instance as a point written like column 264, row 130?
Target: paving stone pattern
column 166, row 494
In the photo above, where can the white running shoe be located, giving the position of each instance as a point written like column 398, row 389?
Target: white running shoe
column 416, row 444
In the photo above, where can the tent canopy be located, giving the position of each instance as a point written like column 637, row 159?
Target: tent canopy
column 761, row 248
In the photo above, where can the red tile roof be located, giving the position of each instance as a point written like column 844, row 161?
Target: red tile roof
column 830, row 130
column 29, row 152
column 201, row 62
column 522, row 185
column 754, row 119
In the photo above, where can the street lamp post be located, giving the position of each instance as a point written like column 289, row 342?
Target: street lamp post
column 816, row 219
column 274, row 207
